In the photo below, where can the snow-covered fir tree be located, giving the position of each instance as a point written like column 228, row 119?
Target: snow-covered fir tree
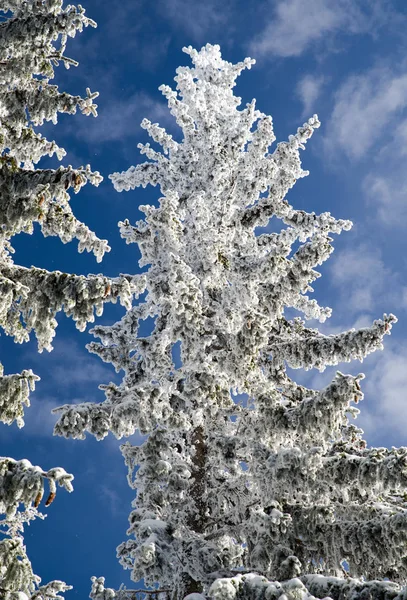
column 277, row 496
column 33, row 36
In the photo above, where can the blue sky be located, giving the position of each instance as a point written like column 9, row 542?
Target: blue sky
column 344, row 60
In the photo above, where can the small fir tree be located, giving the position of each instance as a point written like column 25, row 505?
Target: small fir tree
column 33, row 37
column 269, row 497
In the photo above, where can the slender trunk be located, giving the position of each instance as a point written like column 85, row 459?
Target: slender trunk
column 197, row 519
column 190, row 586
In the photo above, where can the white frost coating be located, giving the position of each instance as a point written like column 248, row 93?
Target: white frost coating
column 14, row 393
column 36, row 295
column 30, row 298
column 224, row 589
column 309, row 587
column 33, row 37
column 282, row 485
column 28, row 54
column 23, row 483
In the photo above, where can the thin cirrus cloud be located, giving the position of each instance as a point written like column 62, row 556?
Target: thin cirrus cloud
column 400, row 137
column 120, row 119
column 386, row 190
column 38, row 418
column 368, row 124
column 69, row 365
column 308, row 91
column 365, row 282
column 295, row 26
column 384, row 412
column 64, row 371
column 365, row 106
column 198, row 19
column 385, row 187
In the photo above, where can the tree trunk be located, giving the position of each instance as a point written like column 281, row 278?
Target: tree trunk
column 197, row 519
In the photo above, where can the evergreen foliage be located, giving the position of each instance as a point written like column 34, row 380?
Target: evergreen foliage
column 270, row 497
column 33, row 37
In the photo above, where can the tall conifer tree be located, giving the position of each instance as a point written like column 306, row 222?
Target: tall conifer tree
column 277, row 496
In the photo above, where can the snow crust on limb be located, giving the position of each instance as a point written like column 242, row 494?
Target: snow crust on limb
column 32, row 297
column 31, row 196
column 23, row 483
column 283, row 484
column 14, row 394
column 252, row 586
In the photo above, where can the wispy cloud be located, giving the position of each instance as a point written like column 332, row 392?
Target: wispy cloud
column 385, row 186
column 384, row 411
column 370, row 109
column 364, row 282
column 400, row 137
column 69, row 374
column 386, row 191
column 368, row 123
column 308, row 90
column 197, row 19
column 68, row 366
column 120, row 118
column 296, row 27
column 38, row 418
column 110, row 497
column 364, row 107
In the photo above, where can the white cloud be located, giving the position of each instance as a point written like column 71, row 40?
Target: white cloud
column 38, row 418
column 400, row 137
column 68, row 365
column 368, row 123
column 385, row 186
column 110, row 499
column 69, row 375
column 363, row 280
column 387, row 191
column 292, row 29
column 295, row 25
column 120, row 119
column 364, row 107
column 384, row 410
column 308, row 90
column 197, row 19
